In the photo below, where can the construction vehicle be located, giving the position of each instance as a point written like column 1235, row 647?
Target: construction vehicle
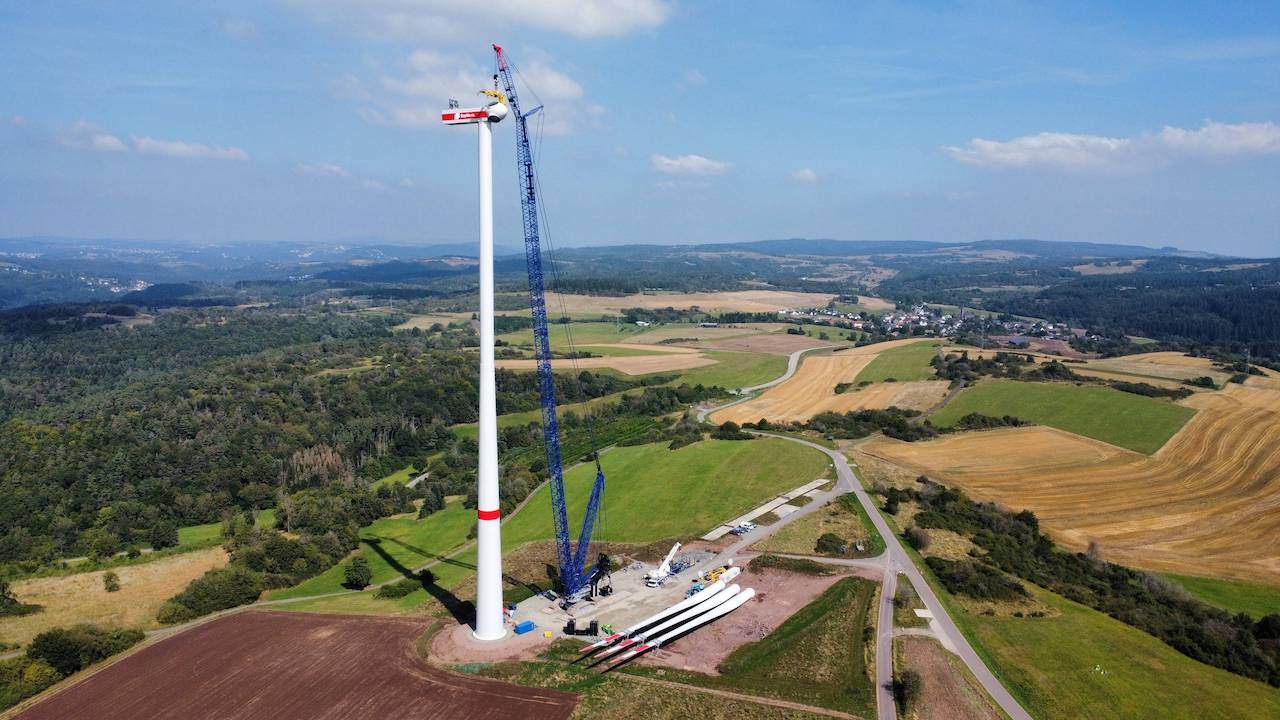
column 712, row 575
column 659, row 575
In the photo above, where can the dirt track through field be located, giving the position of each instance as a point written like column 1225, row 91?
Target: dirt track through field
column 1206, row 503
column 812, row 389
column 293, row 666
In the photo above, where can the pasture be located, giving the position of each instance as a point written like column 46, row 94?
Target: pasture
column 1079, row 663
column 1134, row 422
column 81, row 597
column 903, row 364
column 1201, row 505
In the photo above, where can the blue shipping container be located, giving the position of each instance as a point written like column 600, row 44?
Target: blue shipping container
column 524, row 627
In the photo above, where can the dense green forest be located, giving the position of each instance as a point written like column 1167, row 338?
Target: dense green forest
column 109, row 433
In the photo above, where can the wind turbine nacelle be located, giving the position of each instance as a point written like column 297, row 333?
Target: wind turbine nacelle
column 497, row 111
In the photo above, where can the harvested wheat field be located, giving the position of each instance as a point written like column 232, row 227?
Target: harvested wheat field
column 1166, row 365
column 1206, row 503
column 754, row 301
column 657, row 358
column 812, row 389
column 80, row 598
column 285, row 666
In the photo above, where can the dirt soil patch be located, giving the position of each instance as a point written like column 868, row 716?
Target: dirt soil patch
column 1207, row 503
column 779, row 595
column 293, row 666
column 949, row 693
column 81, row 598
column 773, row 343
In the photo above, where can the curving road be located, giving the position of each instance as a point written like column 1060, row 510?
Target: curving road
column 894, row 561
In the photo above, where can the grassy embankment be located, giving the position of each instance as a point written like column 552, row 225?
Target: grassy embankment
column 904, row 363
column 816, row 657
column 1233, row 595
column 652, row 494
column 1138, row 423
column 1082, row 663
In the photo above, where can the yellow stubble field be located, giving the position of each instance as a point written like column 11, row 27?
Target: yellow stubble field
column 812, row 389
column 1207, row 503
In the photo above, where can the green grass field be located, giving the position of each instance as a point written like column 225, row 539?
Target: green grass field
column 403, row 541
column 735, row 370
column 1130, row 421
column 196, row 537
column 654, row 493
column 399, row 477
column 1083, row 664
column 1234, row 595
column 816, row 657
column 904, row 364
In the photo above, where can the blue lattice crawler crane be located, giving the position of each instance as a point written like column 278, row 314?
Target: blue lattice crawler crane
column 578, row 580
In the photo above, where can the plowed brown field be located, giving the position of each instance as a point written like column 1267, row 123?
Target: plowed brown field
column 1206, row 503
column 812, row 389
column 293, row 666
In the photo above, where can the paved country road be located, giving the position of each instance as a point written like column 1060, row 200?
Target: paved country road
column 896, row 560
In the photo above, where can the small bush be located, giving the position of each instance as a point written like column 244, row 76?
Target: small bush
column 399, row 589
column 831, row 544
column 68, row 650
column 907, row 686
column 358, row 574
column 918, row 538
column 216, row 590
column 111, row 582
column 798, row 565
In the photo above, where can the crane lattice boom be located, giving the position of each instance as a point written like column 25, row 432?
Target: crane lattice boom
column 571, row 560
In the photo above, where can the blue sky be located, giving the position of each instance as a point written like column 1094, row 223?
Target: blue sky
column 674, row 122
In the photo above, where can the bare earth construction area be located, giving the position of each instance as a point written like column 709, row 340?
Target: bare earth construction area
column 1208, row 502
column 294, row 666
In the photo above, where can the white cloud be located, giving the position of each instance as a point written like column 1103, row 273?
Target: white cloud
column 804, row 175
column 1222, row 139
column 373, row 185
column 183, row 149
column 323, row 168
column 444, row 20
column 413, row 97
column 1074, row 151
column 407, row 183
column 691, row 78
column 238, row 28
column 87, row 136
column 688, row 165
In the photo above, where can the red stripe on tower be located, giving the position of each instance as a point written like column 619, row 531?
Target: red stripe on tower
column 488, row 514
